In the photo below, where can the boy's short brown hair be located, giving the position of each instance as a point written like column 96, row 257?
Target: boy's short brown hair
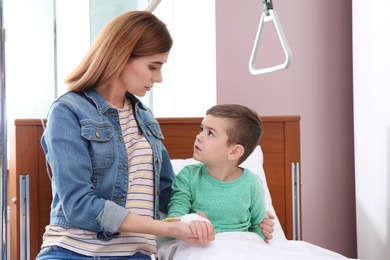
column 244, row 127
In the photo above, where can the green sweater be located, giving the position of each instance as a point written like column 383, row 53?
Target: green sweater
column 237, row 205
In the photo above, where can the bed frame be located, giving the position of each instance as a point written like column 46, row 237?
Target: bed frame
column 280, row 144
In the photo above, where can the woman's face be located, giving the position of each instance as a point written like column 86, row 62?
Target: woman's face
column 139, row 74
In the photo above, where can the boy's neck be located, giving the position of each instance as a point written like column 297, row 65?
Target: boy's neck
column 224, row 174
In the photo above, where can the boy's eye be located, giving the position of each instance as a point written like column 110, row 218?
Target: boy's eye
column 153, row 67
column 200, row 129
column 210, row 133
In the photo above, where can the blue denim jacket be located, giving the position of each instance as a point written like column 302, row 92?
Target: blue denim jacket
column 84, row 146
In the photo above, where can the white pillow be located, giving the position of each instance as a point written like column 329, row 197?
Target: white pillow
column 255, row 164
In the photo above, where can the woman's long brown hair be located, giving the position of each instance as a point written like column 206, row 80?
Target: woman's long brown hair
column 132, row 34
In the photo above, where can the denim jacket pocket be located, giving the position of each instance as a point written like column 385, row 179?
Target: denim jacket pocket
column 154, row 128
column 155, row 136
column 101, row 143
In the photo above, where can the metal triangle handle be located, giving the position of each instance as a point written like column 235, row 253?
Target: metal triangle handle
column 252, row 61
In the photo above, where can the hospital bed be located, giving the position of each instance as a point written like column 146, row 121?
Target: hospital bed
column 277, row 161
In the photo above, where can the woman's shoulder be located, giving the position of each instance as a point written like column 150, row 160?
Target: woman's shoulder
column 75, row 103
column 69, row 97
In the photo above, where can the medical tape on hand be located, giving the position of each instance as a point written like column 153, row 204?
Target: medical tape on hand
column 188, row 218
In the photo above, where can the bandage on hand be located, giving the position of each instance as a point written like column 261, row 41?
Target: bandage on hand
column 188, row 218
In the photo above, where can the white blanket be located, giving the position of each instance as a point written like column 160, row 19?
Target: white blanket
column 244, row 245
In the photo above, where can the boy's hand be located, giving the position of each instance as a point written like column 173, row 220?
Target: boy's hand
column 267, row 227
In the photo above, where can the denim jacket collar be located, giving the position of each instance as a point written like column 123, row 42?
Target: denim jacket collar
column 102, row 105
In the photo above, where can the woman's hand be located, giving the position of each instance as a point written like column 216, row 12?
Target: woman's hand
column 196, row 233
column 203, row 230
column 197, row 229
column 267, row 227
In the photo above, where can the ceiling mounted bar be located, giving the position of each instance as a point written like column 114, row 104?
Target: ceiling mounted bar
column 152, row 5
column 269, row 15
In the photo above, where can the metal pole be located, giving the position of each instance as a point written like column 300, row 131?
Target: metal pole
column 3, row 141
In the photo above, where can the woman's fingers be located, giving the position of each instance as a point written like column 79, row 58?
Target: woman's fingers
column 203, row 230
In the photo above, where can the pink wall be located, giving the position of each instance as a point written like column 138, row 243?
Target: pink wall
column 317, row 86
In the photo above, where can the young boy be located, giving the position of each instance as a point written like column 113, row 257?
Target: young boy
column 230, row 196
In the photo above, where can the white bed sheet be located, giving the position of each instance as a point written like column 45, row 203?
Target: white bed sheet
column 243, row 245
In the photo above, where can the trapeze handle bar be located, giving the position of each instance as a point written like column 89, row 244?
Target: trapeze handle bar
column 252, row 62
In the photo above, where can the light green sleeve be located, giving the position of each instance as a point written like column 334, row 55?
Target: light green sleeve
column 180, row 203
column 258, row 209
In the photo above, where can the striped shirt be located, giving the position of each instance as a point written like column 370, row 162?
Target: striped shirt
column 140, row 200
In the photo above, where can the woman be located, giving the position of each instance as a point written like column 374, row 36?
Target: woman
column 111, row 172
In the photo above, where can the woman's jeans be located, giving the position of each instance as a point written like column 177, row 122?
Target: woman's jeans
column 57, row 253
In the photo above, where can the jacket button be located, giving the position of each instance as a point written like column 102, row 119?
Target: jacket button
column 97, row 134
column 149, row 133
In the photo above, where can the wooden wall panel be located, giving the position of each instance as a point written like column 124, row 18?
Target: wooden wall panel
column 27, row 157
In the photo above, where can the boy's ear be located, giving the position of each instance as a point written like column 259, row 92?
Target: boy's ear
column 236, row 152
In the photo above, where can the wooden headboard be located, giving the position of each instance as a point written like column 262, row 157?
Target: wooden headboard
column 280, row 144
